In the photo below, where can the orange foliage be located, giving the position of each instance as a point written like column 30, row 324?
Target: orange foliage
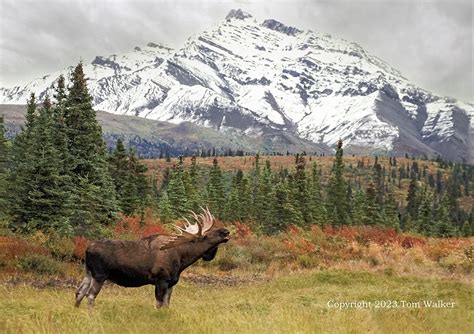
column 293, row 229
column 12, row 248
column 138, row 227
column 153, row 229
column 242, row 230
column 80, row 246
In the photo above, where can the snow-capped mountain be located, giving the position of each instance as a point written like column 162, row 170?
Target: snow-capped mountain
column 265, row 77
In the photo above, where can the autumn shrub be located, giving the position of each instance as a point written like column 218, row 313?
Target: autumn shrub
column 80, row 246
column 410, row 241
column 61, row 248
column 13, row 248
column 242, row 230
column 135, row 227
column 40, row 264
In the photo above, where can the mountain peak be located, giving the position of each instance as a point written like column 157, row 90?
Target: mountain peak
column 238, row 14
column 280, row 27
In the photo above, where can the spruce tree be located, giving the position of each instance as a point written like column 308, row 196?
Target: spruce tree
column 215, row 190
column 263, row 202
column 176, row 192
column 316, row 204
column 337, row 206
column 23, row 171
column 3, row 172
column 360, row 209
column 118, row 161
column 443, row 227
column 244, row 196
column 302, row 193
column 165, row 210
column 136, row 192
column 284, row 213
column 425, row 216
column 94, row 193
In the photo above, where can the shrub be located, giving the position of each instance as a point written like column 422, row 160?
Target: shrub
column 12, row 248
column 40, row 264
column 61, row 248
column 307, row 261
column 80, row 246
column 242, row 231
column 153, row 229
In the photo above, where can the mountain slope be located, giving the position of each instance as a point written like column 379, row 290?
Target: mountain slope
column 152, row 138
column 254, row 78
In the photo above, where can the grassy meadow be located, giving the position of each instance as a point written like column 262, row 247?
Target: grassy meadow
column 295, row 303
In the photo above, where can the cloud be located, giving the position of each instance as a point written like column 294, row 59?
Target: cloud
column 429, row 41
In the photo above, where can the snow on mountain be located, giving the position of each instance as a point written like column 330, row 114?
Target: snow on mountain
column 260, row 78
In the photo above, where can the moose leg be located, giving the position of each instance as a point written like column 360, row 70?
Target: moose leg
column 94, row 291
column 167, row 297
column 83, row 289
column 161, row 290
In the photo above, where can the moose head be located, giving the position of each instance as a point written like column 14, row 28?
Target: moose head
column 206, row 232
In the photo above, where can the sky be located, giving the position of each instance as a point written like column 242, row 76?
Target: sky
column 429, row 41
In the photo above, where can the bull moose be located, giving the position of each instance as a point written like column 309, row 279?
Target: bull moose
column 156, row 259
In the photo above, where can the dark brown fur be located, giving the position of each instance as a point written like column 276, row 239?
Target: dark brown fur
column 145, row 261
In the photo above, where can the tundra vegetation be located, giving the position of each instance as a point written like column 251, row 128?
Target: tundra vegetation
column 305, row 229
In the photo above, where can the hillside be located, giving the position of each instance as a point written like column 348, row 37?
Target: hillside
column 271, row 81
column 152, row 138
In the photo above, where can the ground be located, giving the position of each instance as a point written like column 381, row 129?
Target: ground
column 302, row 302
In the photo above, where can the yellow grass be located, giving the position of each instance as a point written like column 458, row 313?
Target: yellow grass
column 296, row 303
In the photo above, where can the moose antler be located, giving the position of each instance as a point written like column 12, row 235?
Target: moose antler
column 204, row 222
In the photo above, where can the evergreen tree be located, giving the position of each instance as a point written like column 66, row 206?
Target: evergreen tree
column 337, row 207
column 3, row 149
column 302, row 194
column 94, row 194
column 373, row 209
column 166, row 212
column 215, row 190
column 284, row 213
column 244, row 196
column 443, row 227
column 263, row 202
column 425, row 216
column 391, row 212
column 135, row 193
column 23, row 170
column 359, row 211
column 3, row 172
column 413, row 199
column 118, row 161
column 316, row 204
column 177, row 193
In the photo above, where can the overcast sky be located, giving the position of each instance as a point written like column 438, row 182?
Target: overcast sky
column 429, row 41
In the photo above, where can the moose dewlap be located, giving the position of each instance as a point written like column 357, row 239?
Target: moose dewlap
column 157, row 259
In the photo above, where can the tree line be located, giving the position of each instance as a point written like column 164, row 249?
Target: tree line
column 274, row 199
column 57, row 174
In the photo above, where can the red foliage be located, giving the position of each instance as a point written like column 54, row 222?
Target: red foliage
column 11, row 248
column 378, row 235
column 153, row 229
column 299, row 245
column 242, row 230
column 329, row 230
column 409, row 241
column 293, row 229
column 316, row 230
column 80, row 246
column 137, row 227
column 128, row 225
